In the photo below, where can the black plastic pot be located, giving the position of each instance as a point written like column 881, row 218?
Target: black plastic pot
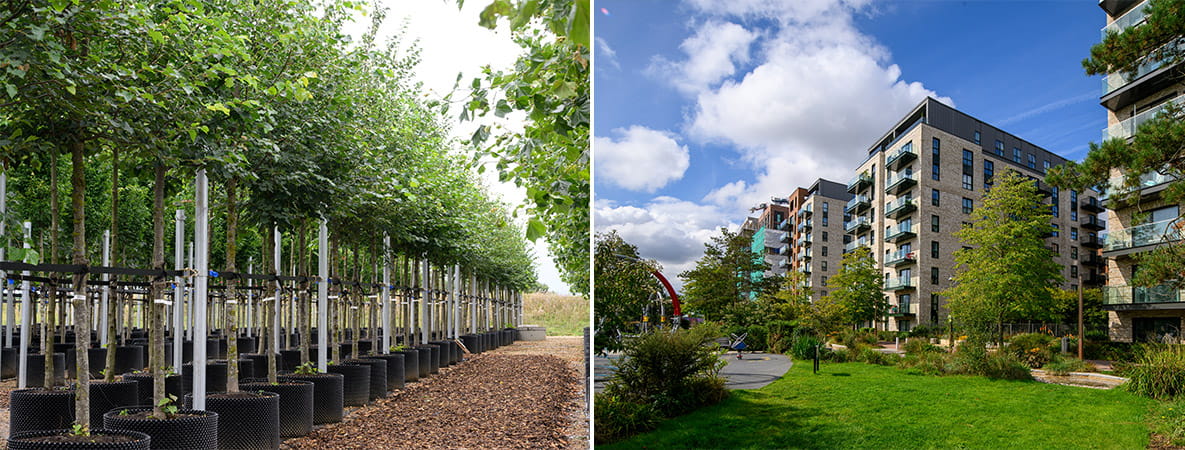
column 378, row 376
column 108, row 396
column 425, row 361
column 189, row 429
column 247, row 345
column 215, row 377
column 470, row 342
column 173, row 385
column 259, row 362
column 246, row 368
column 434, row 358
column 445, row 353
column 246, row 420
column 39, row 409
column 328, row 400
column 296, row 404
column 35, row 372
column 8, row 362
column 20, row 441
column 394, row 369
column 411, row 364
column 356, row 385
column 291, row 360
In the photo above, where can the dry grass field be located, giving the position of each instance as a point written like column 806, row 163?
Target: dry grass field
column 563, row 315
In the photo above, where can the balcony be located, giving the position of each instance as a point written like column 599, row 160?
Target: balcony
column 852, row 246
column 1129, row 19
column 805, row 211
column 901, row 158
column 804, row 240
column 1127, row 128
column 784, row 249
column 805, row 268
column 785, row 224
column 1093, row 260
column 857, row 225
column 1092, row 205
column 901, row 233
column 900, row 208
column 1147, row 184
column 804, row 255
column 900, row 184
column 1135, row 297
column 1043, row 188
column 1092, row 222
column 903, row 310
column 1093, row 280
column 857, row 204
column 784, row 237
column 900, row 258
column 900, row 284
column 860, row 182
column 1114, row 7
column 1147, row 234
column 1090, row 242
column 804, row 225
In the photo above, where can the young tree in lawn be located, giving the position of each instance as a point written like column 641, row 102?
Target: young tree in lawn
column 1156, row 146
column 859, row 286
column 1006, row 272
column 624, row 286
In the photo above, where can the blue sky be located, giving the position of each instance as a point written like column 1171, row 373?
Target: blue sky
column 705, row 108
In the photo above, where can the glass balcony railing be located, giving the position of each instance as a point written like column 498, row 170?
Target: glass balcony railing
column 1133, row 17
column 1147, row 234
column 1119, row 295
column 858, row 222
column 1127, row 128
column 859, row 182
column 901, row 232
column 901, row 157
column 899, row 257
column 804, row 240
column 900, row 182
column 1116, row 186
column 852, row 246
column 856, row 203
column 900, row 207
column 904, row 309
column 897, row 284
column 805, row 211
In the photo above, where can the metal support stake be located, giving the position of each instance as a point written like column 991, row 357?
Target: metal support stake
column 106, row 289
column 323, row 295
column 178, row 289
column 386, row 295
column 201, row 245
column 26, row 319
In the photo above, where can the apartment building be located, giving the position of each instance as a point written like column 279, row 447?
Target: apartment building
column 920, row 183
column 1139, row 221
column 817, row 235
column 769, row 237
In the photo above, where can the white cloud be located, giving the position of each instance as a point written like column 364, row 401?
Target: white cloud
column 819, row 93
column 713, row 54
column 640, row 159
column 667, row 229
column 606, row 52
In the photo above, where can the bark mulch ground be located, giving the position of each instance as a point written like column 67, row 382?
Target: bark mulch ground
column 521, row 396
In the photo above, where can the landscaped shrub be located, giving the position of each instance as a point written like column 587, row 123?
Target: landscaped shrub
column 1159, row 373
column 1004, row 366
column 1111, row 351
column 1032, row 349
column 870, row 356
column 675, row 372
column 1063, row 365
column 840, row 355
column 803, row 348
column 920, row 345
column 927, row 331
column 855, row 338
column 781, row 335
column 617, row 419
column 927, row 363
column 1098, row 335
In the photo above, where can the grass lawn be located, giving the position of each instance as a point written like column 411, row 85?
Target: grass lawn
column 562, row 315
column 857, row 405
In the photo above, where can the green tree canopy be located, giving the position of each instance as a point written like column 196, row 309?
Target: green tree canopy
column 859, row 287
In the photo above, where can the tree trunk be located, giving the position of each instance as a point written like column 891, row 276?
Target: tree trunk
column 335, row 306
column 82, row 309
column 50, row 312
column 306, row 325
column 266, row 318
column 231, row 300
column 156, row 351
column 109, row 366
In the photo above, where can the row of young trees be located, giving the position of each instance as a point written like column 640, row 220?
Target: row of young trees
column 294, row 120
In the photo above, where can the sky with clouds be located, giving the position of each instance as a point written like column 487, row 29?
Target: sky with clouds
column 706, row 108
column 451, row 42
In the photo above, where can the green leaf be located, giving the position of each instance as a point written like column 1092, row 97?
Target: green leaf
column 535, row 229
column 11, row 90
column 156, row 36
column 578, row 25
column 71, row 89
column 489, row 16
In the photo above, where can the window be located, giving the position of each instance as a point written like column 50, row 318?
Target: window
column 933, row 275
column 934, row 197
column 934, row 249
column 968, row 182
column 968, row 160
column 976, row 139
column 1054, row 209
column 968, row 205
column 1046, row 167
column 824, row 208
column 1073, row 271
column 1032, row 161
column 934, row 308
column 934, row 223
column 1016, row 155
column 989, row 170
column 934, row 161
column 824, row 266
column 1073, row 233
column 1056, row 230
column 1057, row 251
column 824, row 219
column 824, row 282
column 1073, row 214
column 824, row 236
column 824, row 250
column 1073, row 252
column 1000, row 148
column 1073, row 199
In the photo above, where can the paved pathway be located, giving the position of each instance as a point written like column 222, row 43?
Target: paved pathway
column 753, row 371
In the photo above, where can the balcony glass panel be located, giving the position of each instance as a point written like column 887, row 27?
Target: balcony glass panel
column 1128, row 20
column 1146, row 234
column 1116, row 185
column 1119, row 295
column 1127, row 128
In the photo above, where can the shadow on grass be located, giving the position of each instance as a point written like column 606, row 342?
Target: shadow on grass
column 750, row 419
column 841, row 374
